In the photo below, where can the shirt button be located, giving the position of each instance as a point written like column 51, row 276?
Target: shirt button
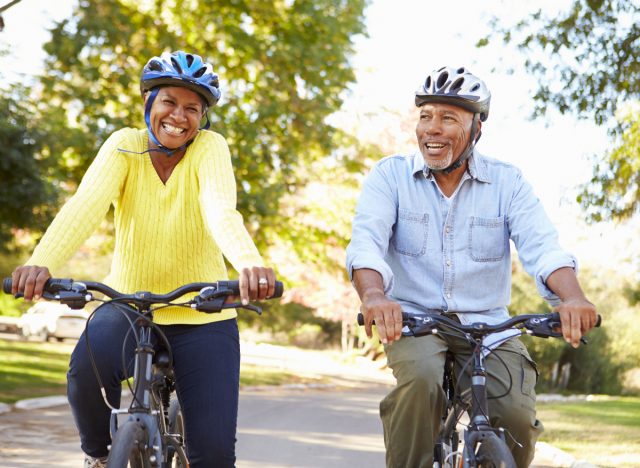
column 448, row 295
column 448, row 262
column 447, row 229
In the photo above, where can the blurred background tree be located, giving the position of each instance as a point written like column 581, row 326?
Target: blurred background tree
column 586, row 63
column 283, row 68
column 585, row 60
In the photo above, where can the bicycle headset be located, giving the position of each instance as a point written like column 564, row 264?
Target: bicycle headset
column 457, row 87
column 178, row 69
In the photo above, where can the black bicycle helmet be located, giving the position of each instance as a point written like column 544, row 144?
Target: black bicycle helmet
column 458, row 87
column 181, row 69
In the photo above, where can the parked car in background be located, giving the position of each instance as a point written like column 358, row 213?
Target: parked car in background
column 45, row 320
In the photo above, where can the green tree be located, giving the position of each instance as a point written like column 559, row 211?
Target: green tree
column 27, row 192
column 586, row 62
column 284, row 67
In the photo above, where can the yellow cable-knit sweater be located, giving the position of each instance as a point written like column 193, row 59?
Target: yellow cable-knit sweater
column 166, row 234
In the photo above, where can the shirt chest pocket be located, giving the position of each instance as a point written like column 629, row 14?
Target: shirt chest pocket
column 410, row 233
column 487, row 239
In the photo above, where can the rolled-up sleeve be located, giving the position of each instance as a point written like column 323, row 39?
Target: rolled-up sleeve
column 372, row 225
column 536, row 239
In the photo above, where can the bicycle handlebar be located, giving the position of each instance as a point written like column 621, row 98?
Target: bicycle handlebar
column 541, row 325
column 210, row 297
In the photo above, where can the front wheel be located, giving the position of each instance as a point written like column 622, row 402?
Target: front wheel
column 494, row 453
column 128, row 447
column 176, row 456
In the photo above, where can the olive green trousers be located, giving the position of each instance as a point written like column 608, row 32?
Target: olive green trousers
column 412, row 412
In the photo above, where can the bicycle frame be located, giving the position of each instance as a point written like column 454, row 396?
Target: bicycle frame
column 144, row 437
column 479, row 425
column 482, row 442
column 150, row 405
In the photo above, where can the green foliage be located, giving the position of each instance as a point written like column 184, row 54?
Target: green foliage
column 292, row 323
column 585, row 58
column 614, row 189
column 613, row 349
column 283, row 68
column 526, row 300
column 27, row 193
column 11, row 307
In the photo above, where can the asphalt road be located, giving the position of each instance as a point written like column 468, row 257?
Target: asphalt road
column 276, row 428
column 336, row 425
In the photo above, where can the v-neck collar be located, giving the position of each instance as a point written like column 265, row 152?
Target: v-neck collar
column 153, row 168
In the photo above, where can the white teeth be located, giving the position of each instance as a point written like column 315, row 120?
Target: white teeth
column 435, row 145
column 171, row 129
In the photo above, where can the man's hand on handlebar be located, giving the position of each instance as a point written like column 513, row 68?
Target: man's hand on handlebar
column 577, row 316
column 29, row 280
column 386, row 313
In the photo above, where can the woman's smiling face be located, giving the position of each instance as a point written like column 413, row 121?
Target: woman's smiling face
column 175, row 115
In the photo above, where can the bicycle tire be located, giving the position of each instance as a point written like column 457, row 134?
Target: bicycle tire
column 493, row 452
column 176, row 426
column 128, row 447
column 446, row 453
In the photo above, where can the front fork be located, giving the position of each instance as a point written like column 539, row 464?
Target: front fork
column 479, row 422
column 142, row 410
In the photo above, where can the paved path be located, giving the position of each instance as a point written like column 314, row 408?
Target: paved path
column 283, row 428
column 277, row 428
column 333, row 425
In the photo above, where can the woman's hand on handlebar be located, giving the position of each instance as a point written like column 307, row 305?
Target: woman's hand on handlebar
column 256, row 283
column 29, row 280
column 386, row 313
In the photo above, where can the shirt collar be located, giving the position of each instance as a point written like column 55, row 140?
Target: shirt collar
column 477, row 167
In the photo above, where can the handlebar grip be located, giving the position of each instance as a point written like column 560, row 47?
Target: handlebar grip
column 234, row 286
column 360, row 319
column 555, row 316
column 6, row 285
column 52, row 286
column 279, row 289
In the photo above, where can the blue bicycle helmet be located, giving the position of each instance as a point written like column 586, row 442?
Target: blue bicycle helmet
column 181, row 69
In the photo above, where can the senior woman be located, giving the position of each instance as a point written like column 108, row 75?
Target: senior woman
column 174, row 196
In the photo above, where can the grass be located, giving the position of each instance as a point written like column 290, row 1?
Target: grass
column 30, row 370
column 603, row 431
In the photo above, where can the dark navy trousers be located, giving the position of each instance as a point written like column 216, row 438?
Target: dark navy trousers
column 207, row 370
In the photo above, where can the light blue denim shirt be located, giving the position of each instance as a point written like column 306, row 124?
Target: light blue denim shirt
column 453, row 254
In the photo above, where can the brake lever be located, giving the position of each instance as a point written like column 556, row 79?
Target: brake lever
column 543, row 328
column 419, row 326
column 240, row 305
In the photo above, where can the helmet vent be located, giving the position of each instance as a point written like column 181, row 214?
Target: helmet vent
column 461, row 70
column 427, row 84
column 154, row 65
column 476, row 87
column 457, row 85
column 442, row 79
column 199, row 72
column 189, row 58
column 176, row 65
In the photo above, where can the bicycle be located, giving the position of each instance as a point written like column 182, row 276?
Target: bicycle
column 152, row 433
column 482, row 445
